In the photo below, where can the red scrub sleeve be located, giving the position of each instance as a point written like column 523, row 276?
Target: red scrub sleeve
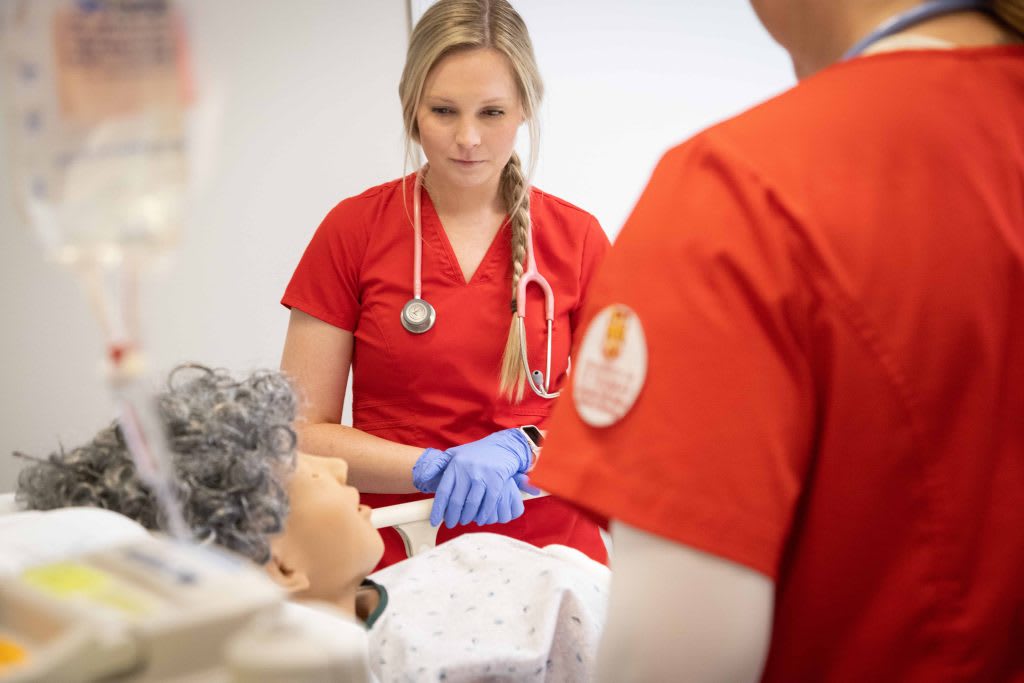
column 326, row 282
column 714, row 452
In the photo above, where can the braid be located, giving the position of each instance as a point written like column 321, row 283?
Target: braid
column 1011, row 12
column 516, row 194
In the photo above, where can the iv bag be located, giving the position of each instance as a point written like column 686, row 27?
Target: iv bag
column 95, row 96
column 96, row 93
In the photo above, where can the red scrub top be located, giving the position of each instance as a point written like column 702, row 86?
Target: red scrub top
column 440, row 389
column 832, row 291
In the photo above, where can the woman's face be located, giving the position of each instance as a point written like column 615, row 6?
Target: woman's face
column 327, row 528
column 468, row 118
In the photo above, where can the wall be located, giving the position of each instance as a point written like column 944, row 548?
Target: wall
column 305, row 93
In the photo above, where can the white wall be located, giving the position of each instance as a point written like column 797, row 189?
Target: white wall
column 308, row 115
column 627, row 79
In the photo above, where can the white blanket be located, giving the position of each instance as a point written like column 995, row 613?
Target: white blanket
column 488, row 607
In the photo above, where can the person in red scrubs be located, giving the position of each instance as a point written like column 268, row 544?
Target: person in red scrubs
column 436, row 407
column 800, row 392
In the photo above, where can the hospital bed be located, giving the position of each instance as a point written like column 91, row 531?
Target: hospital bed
column 244, row 614
column 412, row 522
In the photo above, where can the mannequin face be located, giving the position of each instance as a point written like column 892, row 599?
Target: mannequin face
column 328, row 545
column 468, row 118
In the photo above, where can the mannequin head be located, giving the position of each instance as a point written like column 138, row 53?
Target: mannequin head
column 328, row 545
column 231, row 446
column 240, row 480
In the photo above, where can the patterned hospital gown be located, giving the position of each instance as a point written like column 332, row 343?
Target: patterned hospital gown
column 484, row 607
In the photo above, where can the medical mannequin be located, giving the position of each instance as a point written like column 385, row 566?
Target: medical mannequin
column 323, row 506
column 479, row 603
column 435, row 400
column 816, row 310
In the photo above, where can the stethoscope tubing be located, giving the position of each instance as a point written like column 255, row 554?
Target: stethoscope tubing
column 912, row 17
column 417, row 226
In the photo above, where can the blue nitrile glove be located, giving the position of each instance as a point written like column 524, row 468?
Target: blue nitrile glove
column 475, row 478
column 426, row 473
column 510, row 502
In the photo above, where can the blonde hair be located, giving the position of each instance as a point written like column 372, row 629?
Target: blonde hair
column 1011, row 12
column 452, row 25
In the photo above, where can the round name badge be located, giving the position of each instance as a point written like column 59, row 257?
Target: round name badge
column 612, row 366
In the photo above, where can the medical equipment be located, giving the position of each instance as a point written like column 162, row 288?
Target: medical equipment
column 418, row 315
column 119, row 603
column 912, row 17
column 134, row 608
column 96, row 98
column 539, row 382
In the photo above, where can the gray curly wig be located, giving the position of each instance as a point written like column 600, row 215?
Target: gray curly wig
column 233, row 448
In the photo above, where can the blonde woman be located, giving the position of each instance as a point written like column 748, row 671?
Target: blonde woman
column 413, row 285
column 840, row 272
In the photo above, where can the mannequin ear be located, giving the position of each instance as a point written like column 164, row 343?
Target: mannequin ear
column 285, row 575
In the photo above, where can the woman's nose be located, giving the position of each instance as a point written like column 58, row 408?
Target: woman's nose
column 467, row 135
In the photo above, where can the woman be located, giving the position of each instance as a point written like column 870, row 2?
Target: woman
column 831, row 290
column 455, row 234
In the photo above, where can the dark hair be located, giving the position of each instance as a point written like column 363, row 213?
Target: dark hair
column 1011, row 12
column 232, row 445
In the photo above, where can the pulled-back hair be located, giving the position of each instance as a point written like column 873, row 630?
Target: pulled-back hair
column 232, row 446
column 1011, row 12
column 453, row 25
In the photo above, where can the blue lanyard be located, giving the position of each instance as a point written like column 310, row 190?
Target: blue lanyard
column 915, row 16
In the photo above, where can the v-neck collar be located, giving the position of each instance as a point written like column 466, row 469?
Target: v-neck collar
column 435, row 236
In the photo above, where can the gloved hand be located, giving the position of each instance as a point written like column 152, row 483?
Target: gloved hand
column 426, row 473
column 476, row 477
column 510, row 502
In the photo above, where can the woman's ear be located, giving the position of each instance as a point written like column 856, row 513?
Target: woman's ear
column 284, row 574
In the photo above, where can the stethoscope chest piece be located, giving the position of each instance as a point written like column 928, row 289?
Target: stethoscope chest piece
column 418, row 316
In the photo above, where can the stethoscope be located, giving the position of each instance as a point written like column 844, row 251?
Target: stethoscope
column 912, row 17
column 418, row 315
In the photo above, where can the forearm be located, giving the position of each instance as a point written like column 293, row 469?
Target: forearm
column 375, row 465
column 677, row 613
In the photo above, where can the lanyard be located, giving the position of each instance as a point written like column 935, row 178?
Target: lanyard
column 913, row 17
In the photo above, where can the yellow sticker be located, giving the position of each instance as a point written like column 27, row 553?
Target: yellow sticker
column 67, row 578
column 70, row 580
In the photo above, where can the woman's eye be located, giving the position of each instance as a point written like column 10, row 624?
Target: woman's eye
column 441, row 110
column 493, row 112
